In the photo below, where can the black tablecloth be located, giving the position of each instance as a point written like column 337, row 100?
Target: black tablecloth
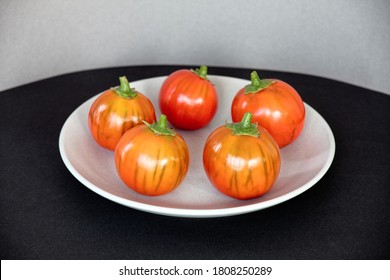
column 45, row 213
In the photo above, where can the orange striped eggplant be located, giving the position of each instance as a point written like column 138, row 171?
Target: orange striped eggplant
column 274, row 104
column 188, row 98
column 152, row 159
column 241, row 160
column 117, row 110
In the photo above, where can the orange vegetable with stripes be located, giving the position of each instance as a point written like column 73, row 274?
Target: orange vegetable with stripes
column 116, row 111
column 188, row 98
column 152, row 159
column 274, row 104
column 241, row 160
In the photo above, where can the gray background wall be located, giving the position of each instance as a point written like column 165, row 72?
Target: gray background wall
column 340, row 39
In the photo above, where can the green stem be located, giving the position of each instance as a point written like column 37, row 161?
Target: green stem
column 201, row 72
column 124, row 90
column 245, row 127
column 160, row 127
column 246, row 120
column 255, row 79
column 257, row 84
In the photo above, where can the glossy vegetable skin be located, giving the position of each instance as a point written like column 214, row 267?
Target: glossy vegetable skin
column 188, row 99
column 117, row 110
column 241, row 160
column 275, row 105
column 152, row 159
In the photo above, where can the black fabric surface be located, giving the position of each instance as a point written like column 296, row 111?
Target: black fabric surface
column 45, row 213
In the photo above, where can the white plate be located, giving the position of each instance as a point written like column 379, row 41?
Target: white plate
column 303, row 163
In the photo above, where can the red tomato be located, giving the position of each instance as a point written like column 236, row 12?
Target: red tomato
column 275, row 105
column 152, row 159
column 117, row 110
column 188, row 98
column 241, row 160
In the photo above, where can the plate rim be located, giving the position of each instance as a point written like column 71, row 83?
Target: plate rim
column 190, row 212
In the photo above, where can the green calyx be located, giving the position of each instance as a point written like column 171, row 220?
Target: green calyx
column 160, row 127
column 257, row 84
column 124, row 90
column 201, row 72
column 245, row 127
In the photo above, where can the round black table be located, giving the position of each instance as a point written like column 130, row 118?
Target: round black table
column 45, row 213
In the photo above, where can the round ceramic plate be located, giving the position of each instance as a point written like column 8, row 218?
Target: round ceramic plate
column 304, row 162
